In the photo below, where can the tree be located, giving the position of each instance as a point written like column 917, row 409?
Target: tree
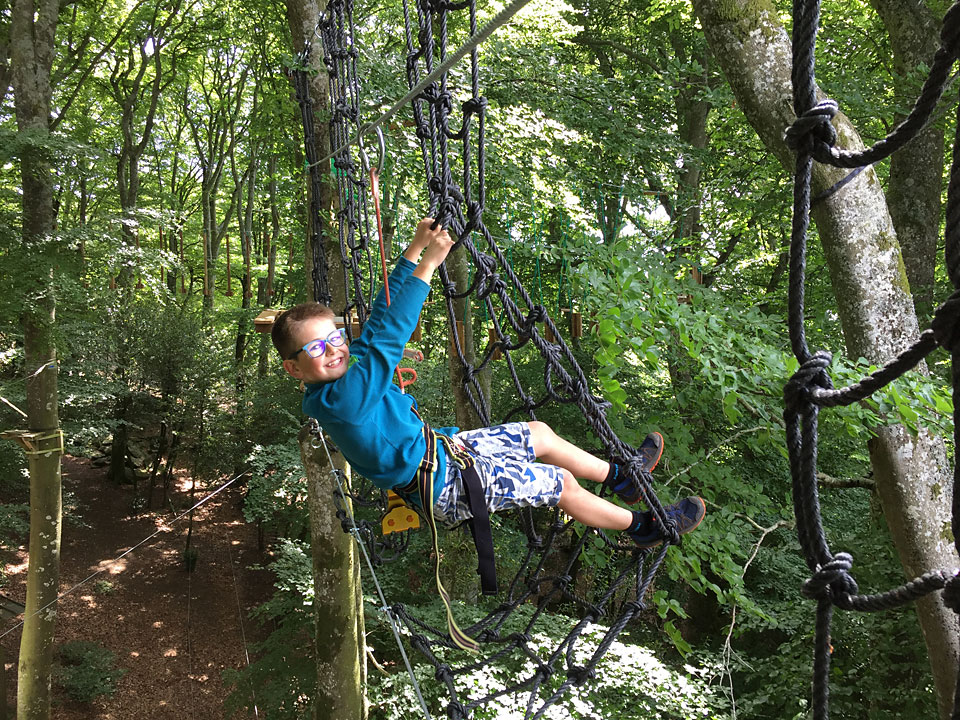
column 915, row 177
column 341, row 656
column 873, row 299
column 33, row 27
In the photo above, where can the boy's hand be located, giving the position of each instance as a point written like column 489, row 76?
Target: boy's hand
column 421, row 239
column 438, row 246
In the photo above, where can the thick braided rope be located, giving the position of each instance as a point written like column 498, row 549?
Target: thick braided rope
column 813, row 137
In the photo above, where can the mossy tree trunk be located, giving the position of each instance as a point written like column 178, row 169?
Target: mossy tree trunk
column 338, row 603
column 338, row 600
column 33, row 27
column 873, row 300
column 916, row 176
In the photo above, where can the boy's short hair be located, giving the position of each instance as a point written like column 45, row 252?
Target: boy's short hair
column 283, row 326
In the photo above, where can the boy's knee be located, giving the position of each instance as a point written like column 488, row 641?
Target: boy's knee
column 541, row 434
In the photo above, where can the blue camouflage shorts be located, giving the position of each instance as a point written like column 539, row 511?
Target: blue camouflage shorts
column 508, row 470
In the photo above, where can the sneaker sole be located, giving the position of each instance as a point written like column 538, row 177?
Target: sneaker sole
column 659, row 541
column 659, row 452
column 656, row 460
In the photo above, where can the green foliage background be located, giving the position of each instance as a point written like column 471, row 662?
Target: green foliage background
column 586, row 196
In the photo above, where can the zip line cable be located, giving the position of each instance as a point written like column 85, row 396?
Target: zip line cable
column 127, row 552
column 495, row 23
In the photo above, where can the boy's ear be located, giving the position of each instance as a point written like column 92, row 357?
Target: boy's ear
column 293, row 369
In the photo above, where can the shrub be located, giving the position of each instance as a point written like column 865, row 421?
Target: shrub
column 86, row 670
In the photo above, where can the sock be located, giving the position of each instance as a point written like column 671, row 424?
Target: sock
column 612, row 474
column 642, row 522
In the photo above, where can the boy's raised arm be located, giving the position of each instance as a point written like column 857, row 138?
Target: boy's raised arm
column 397, row 277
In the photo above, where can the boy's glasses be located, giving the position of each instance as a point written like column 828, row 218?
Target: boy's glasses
column 316, row 348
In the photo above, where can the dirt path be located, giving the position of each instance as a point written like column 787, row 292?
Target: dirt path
column 173, row 632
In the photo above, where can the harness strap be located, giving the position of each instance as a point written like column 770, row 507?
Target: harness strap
column 480, row 529
column 425, row 475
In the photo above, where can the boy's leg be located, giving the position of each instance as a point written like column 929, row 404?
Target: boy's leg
column 641, row 526
column 589, row 509
column 553, row 449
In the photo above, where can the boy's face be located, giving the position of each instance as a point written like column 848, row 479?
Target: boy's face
column 329, row 366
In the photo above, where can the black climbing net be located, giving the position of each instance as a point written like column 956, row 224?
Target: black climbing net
column 813, row 137
column 452, row 146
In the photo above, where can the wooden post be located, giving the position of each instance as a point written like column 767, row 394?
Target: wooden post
column 339, row 632
column 491, row 339
column 576, row 325
column 271, row 252
column 548, row 333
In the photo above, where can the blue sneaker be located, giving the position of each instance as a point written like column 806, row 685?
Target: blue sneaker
column 686, row 514
column 650, row 451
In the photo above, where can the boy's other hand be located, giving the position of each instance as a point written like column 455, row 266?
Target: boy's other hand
column 439, row 244
column 421, row 239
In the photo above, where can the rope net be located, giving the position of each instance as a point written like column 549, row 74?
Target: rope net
column 452, row 146
column 812, row 137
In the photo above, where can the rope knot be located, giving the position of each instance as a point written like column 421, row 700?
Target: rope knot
column 832, row 579
column 579, row 675
column 951, row 594
column 474, row 105
column 544, row 672
column 489, row 636
column 812, row 373
column 945, row 323
column 813, row 129
column 444, row 673
column 563, row 582
column 456, row 711
column 538, row 313
column 594, row 613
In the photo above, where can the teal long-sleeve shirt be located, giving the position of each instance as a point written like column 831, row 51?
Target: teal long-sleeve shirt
column 368, row 417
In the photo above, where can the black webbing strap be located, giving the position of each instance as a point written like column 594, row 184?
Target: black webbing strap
column 480, row 529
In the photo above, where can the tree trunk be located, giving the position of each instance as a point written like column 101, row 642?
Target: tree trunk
column 33, row 27
column 458, row 268
column 876, row 310
column 916, row 173
column 338, row 600
column 339, row 629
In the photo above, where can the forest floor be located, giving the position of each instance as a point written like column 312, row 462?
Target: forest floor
column 173, row 632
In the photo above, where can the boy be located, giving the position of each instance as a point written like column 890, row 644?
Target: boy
column 350, row 391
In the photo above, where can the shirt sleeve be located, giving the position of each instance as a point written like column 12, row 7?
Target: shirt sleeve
column 398, row 277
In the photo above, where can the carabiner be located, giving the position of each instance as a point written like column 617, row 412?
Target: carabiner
column 381, row 151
